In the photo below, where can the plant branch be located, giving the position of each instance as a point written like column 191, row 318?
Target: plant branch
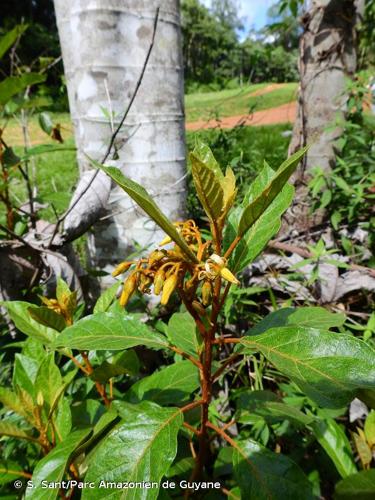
column 179, row 351
column 100, row 387
column 191, row 406
column 15, row 472
column 232, row 246
column 192, row 312
column 191, row 428
column 227, row 340
column 223, row 434
column 225, row 364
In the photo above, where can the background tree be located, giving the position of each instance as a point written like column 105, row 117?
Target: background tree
column 113, row 41
column 327, row 58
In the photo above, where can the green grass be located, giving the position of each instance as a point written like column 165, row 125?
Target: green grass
column 204, row 106
column 245, row 148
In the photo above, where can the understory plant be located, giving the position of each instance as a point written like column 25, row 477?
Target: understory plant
column 92, row 425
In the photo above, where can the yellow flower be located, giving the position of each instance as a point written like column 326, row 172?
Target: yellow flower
column 206, row 293
column 215, row 266
column 159, row 281
column 168, row 288
column 129, row 287
column 121, row 268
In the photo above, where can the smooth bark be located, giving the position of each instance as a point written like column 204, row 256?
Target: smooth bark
column 104, row 44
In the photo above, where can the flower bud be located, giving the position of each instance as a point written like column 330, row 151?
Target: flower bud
column 206, row 293
column 156, row 256
column 145, row 282
column 121, row 268
column 129, row 287
column 39, row 399
column 227, row 275
column 168, row 288
column 190, row 284
column 159, row 281
column 197, row 306
column 165, row 241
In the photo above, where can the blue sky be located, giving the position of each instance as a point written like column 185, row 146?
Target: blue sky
column 253, row 12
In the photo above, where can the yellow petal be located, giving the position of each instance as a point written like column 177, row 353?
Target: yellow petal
column 129, row 287
column 159, row 281
column 165, row 241
column 169, row 285
column 227, row 275
column 121, row 268
column 206, row 293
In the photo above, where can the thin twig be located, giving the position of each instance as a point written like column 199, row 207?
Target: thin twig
column 179, row 351
column 226, row 363
column 192, row 405
column 191, row 428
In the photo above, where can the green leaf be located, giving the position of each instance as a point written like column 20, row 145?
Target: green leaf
column 182, row 332
column 106, row 298
column 49, row 381
column 9, row 158
column 47, row 317
column 126, row 363
column 15, row 84
column 266, row 404
column 109, row 331
column 140, row 448
column 45, row 148
column 370, row 428
column 258, row 205
column 62, row 418
column 11, row 401
column 12, row 430
column 170, row 385
column 25, row 372
column 359, row 486
column 208, row 187
column 9, row 471
column 62, row 290
column 314, row 317
column 215, row 191
column 7, row 40
column 144, row 200
column 274, row 411
column 18, row 311
column 52, row 467
column 265, row 227
column 265, row 475
column 45, row 122
column 328, row 367
column 204, row 154
column 333, row 440
column 181, row 467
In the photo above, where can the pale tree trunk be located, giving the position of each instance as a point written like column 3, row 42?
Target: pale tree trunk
column 104, row 45
column 327, row 59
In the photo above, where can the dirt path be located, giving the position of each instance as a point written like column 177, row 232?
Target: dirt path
column 286, row 113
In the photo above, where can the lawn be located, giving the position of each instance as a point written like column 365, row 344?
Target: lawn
column 198, row 106
column 244, row 148
column 56, row 173
column 204, row 106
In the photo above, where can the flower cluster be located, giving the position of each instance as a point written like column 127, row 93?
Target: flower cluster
column 63, row 306
column 165, row 270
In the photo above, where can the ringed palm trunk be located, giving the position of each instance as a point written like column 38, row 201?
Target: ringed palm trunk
column 104, row 45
